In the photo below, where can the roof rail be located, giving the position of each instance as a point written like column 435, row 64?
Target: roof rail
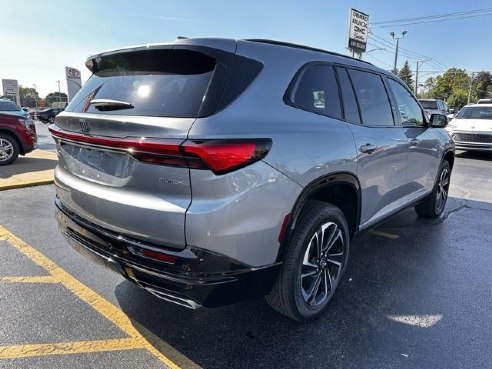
column 297, row 46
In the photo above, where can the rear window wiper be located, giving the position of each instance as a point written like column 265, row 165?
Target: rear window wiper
column 109, row 104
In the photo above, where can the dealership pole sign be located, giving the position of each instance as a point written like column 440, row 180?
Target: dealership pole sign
column 74, row 82
column 11, row 88
column 358, row 30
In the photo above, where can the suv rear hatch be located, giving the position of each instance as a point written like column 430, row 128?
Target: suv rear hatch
column 120, row 164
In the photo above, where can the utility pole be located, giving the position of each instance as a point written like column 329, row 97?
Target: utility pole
column 35, row 97
column 417, row 74
column 470, row 89
column 397, row 43
column 59, row 93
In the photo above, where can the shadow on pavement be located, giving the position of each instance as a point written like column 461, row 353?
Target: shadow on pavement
column 413, row 301
column 477, row 155
column 25, row 164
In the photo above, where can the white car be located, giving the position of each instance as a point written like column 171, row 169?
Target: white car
column 471, row 129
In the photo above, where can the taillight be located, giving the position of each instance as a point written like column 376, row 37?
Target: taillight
column 223, row 156
column 220, row 156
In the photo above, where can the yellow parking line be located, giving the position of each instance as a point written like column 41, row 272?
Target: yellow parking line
column 35, row 279
column 64, row 348
column 141, row 336
column 384, row 234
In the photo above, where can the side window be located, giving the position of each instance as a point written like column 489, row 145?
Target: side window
column 349, row 102
column 410, row 112
column 317, row 91
column 372, row 97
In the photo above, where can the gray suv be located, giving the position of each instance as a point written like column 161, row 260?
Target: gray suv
column 209, row 171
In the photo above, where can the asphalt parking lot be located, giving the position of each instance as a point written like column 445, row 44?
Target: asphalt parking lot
column 416, row 294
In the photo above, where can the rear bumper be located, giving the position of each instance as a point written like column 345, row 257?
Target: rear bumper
column 196, row 278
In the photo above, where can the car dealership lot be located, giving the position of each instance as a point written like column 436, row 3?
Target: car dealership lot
column 416, row 294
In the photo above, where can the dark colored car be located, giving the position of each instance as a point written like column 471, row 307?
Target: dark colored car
column 48, row 115
column 17, row 136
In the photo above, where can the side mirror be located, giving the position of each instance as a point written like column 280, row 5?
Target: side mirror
column 438, row 121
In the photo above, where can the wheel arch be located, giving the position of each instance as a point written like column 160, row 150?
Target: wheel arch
column 340, row 189
column 449, row 156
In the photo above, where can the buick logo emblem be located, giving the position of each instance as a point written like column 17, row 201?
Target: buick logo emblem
column 84, row 126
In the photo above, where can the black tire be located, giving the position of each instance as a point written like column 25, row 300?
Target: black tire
column 51, row 120
column 288, row 296
column 433, row 205
column 9, row 149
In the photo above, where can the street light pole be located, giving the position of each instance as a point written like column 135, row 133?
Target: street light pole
column 397, row 44
column 370, row 51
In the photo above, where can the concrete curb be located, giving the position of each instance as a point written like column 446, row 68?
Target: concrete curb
column 14, row 186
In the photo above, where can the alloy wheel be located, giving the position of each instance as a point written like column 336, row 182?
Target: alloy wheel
column 322, row 264
column 6, row 150
column 442, row 190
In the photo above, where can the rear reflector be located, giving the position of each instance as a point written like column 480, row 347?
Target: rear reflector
column 283, row 228
column 159, row 256
column 220, row 156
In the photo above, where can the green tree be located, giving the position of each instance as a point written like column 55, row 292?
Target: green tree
column 453, row 87
column 28, row 96
column 429, row 84
column 481, row 83
column 405, row 75
column 457, row 99
column 452, row 81
column 55, row 97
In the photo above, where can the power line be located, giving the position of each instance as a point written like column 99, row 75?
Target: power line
column 403, row 51
column 437, row 16
column 437, row 20
column 379, row 60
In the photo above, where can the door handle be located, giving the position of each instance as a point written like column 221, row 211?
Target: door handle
column 414, row 142
column 368, row 148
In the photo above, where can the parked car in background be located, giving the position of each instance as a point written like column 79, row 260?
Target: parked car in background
column 484, row 101
column 436, row 106
column 17, row 136
column 32, row 113
column 48, row 115
column 471, row 129
column 9, row 107
column 210, row 171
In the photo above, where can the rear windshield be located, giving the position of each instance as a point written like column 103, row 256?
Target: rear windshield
column 162, row 83
column 8, row 106
column 475, row 112
column 428, row 104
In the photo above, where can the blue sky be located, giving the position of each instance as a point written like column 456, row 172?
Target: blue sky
column 40, row 38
